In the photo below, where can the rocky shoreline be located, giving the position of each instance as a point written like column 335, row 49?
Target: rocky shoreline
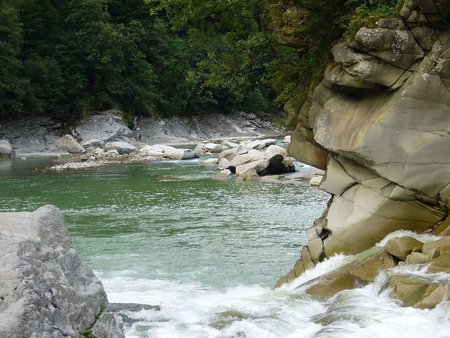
column 379, row 122
column 39, row 135
column 239, row 147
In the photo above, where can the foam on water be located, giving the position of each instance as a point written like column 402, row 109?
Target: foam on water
column 193, row 310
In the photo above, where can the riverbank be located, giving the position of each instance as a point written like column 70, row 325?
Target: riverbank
column 37, row 135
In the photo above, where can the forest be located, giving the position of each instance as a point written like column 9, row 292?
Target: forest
column 67, row 58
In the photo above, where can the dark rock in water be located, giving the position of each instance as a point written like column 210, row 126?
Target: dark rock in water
column 45, row 290
column 133, row 307
column 123, row 310
column 274, row 166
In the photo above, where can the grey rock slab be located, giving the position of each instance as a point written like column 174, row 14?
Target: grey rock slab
column 120, row 146
column 105, row 126
column 45, row 289
column 108, row 325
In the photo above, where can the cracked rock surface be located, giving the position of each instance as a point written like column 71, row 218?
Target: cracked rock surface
column 382, row 114
column 45, row 291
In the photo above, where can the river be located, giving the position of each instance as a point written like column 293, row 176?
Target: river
column 207, row 251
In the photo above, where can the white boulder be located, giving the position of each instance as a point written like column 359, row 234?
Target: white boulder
column 69, row 144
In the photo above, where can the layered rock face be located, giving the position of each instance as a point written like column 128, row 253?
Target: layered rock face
column 45, row 291
column 382, row 113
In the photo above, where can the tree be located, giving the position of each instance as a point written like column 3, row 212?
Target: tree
column 11, row 81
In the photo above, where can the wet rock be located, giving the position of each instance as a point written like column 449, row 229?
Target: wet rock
column 401, row 247
column 108, row 325
column 359, row 272
column 124, row 311
column 69, row 144
column 417, row 292
column 131, row 307
column 440, row 264
column 315, row 181
column 441, row 246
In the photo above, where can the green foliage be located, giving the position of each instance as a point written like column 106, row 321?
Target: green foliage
column 88, row 334
column 164, row 57
column 367, row 16
column 11, row 81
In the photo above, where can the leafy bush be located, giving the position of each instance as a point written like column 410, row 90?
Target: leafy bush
column 366, row 17
column 365, row 13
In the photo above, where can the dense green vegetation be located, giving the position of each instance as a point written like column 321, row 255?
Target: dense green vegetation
column 67, row 58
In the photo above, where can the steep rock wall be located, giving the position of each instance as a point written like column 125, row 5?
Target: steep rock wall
column 382, row 112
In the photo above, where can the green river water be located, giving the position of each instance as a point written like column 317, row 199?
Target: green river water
column 171, row 220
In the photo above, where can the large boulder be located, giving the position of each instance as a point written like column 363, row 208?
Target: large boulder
column 69, row 144
column 6, row 150
column 45, row 289
column 120, row 146
column 104, row 126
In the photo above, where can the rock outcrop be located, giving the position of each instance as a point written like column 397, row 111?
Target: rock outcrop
column 382, row 113
column 45, row 291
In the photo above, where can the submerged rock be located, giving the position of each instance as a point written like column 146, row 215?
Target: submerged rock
column 45, row 289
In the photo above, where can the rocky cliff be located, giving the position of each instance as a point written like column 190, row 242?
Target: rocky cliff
column 45, row 291
column 380, row 122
